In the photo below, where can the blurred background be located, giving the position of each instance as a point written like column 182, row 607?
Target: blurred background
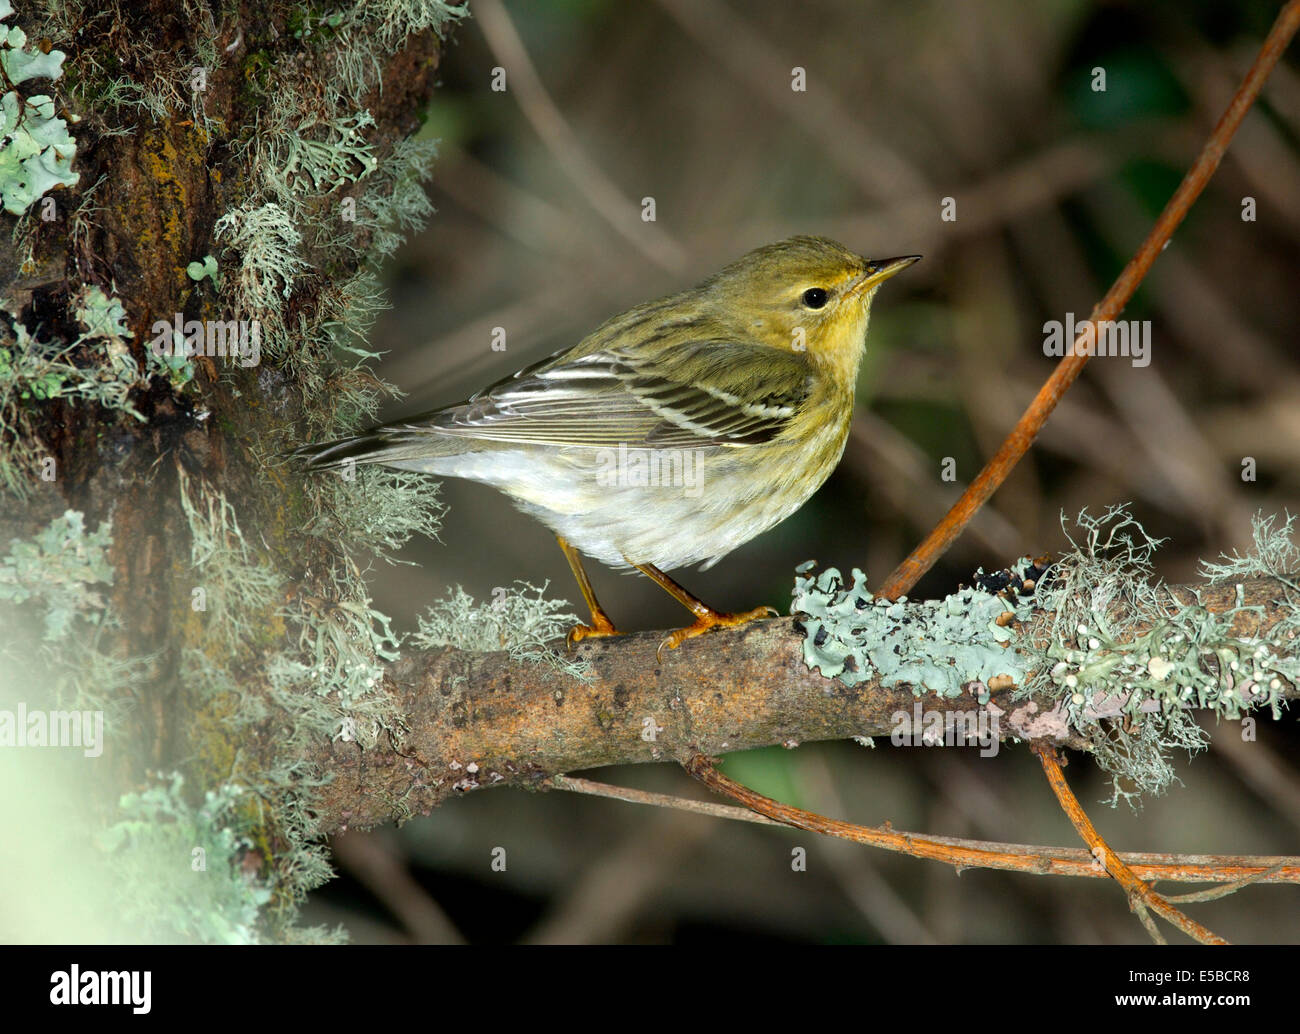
column 539, row 191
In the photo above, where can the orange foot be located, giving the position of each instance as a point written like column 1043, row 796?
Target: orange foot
column 600, row 627
column 713, row 619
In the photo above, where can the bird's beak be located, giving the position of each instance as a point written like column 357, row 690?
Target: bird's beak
column 880, row 270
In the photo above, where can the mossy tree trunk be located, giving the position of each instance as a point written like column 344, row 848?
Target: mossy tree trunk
column 294, row 124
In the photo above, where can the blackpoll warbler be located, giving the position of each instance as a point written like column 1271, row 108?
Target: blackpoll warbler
column 673, row 433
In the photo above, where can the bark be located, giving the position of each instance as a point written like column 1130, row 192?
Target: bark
column 477, row 720
column 158, row 191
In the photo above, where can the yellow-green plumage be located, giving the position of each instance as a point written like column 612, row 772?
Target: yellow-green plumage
column 738, row 392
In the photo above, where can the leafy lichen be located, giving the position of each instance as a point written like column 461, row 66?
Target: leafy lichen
column 1117, row 658
column 36, row 150
column 61, row 567
column 939, row 646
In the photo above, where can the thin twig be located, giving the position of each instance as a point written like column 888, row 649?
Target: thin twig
column 1026, row 430
column 1215, row 893
column 660, row 800
column 1140, row 896
column 541, row 111
column 973, row 854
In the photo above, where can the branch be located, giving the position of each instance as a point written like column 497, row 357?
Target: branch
column 1140, row 896
column 962, row 853
column 1022, row 436
column 476, row 720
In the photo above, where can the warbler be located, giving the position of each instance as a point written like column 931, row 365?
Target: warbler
column 674, row 432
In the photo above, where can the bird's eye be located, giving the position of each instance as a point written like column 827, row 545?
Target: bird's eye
column 815, row 297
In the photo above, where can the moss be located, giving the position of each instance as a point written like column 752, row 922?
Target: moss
column 256, row 78
column 304, row 652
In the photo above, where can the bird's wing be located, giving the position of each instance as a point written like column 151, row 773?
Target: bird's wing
column 696, row 394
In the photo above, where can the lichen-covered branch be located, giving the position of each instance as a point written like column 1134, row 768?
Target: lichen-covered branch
column 476, row 720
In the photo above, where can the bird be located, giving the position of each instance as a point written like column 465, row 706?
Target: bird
column 674, row 432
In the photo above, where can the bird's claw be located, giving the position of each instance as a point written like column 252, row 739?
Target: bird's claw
column 713, row 619
column 598, row 629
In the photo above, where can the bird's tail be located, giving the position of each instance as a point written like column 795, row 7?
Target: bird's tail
column 388, row 446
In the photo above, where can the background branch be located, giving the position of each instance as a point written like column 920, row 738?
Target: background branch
column 1022, row 436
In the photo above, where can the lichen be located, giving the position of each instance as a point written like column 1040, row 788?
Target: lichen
column 313, row 201
column 207, row 269
column 177, row 868
column 60, row 567
column 268, row 244
column 1116, row 658
column 96, row 367
column 238, row 590
column 1126, row 659
column 36, row 150
column 378, row 510
column 937, row 646
column 519, row 619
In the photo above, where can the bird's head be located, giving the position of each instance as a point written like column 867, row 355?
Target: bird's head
column 804, row 294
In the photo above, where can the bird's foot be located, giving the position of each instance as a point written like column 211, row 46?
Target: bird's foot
column 599, row 628
column 712, row 619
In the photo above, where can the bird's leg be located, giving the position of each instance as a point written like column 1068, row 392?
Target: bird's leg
column 600, row 623
column 705, row 616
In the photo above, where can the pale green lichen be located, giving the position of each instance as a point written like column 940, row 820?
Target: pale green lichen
column 103, row 317
column 237, row 589
column 370, row 30
column 1118, row 659
column 1274, row 554
column 177, row 868
column 56, row 623
column 395, row 203
column 937, row 646
column 268, row 242
column 1131, row 692
column 518, row 619
column 329, row 677
column 36, row 150
column 207, row 269
column 328, row 152
column 33, row 371
column 59, row 567
column 342, row 649
column 378, row 509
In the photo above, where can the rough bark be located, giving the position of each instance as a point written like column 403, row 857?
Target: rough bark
column 159, row 189
column 477, row 720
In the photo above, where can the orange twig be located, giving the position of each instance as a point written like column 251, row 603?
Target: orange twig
column 967, row 854
column 1140, row 896
column 1031, row 423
